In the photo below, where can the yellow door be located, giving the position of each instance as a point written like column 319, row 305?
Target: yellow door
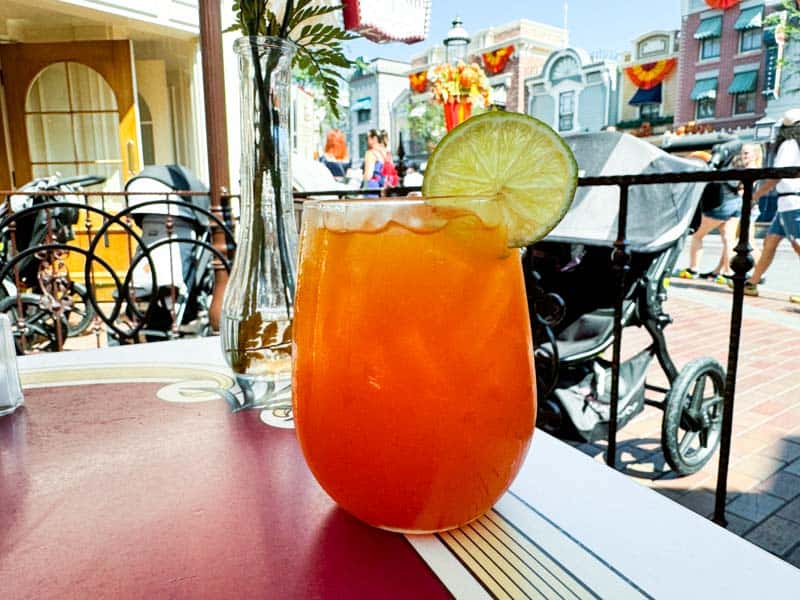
column 71, row 109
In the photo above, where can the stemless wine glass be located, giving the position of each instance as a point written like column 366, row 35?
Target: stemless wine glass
column 413, row 379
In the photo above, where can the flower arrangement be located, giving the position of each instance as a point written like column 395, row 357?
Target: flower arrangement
column 460, row 82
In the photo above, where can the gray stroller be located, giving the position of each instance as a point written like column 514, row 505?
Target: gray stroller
column 573, row 290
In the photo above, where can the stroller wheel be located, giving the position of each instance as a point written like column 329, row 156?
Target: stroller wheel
column 81, row 313
column 690, row 431
column 40, row 332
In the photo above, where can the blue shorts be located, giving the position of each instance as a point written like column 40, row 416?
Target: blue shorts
column 727, row 210
column 786, row 224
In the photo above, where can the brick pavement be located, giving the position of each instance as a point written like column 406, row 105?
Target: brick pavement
column 763, row 504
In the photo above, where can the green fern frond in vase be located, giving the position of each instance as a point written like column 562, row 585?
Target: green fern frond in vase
column 311, row 25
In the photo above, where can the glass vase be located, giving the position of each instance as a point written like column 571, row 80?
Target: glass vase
column 257, row 308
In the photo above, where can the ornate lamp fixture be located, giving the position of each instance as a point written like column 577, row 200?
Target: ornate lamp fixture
column 456, row 42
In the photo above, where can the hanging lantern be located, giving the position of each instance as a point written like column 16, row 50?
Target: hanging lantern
column 388, row 20
column 722, row 4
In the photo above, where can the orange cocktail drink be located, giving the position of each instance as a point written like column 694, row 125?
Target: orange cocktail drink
column 414, row 390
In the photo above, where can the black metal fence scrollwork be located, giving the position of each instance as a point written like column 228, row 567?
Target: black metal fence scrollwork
column 74, row 267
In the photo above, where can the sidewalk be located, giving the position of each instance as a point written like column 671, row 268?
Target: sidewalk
column 764, row 477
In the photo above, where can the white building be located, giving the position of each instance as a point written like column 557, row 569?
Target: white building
column 575, row 92
column 373, row 90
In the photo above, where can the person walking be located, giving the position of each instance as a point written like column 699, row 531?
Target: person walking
column 390, row 177
column 725, row 218
column 374, row 159
column 786, row 223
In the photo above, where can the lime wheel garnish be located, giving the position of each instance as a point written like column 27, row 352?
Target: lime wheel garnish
column 523, row 169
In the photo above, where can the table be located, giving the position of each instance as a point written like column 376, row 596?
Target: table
column 127, row 476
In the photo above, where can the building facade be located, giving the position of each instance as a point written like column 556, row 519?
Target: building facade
column 101, row 87
column 649, row 83
column 574, row 92
column 373, row 90
column 723, row 64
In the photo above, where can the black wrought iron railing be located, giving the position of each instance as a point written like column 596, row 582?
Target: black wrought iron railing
column 74, row 262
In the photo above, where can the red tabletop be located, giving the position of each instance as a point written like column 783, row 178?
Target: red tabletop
column 106, row 491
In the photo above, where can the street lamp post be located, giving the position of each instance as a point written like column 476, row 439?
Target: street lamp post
column 456, row 42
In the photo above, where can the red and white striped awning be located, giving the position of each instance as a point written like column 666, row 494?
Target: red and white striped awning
column 388, row 20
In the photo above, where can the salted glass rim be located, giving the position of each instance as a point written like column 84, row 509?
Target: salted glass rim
column 389, row 201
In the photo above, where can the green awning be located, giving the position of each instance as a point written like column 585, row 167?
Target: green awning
column 750, row 18
column 743, row 82
column 708, row 28
column 704, row 88
column 362, row 104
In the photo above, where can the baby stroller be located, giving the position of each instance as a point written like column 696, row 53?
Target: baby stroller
column 31, row 280
column 174, row 254
column 574, row 264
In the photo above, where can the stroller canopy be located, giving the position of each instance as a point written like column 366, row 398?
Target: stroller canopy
column 658, row 214
column 168, row 178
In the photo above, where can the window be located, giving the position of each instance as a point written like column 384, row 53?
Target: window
column 72, row 123
column 706, row 108
column 362, row 116
column 652, row 46
column 500, row 95
column 148, row 139
column 743, row 89
column 566, row 110
column 750, row 39
column 362, row 144
column 709, row 48
column 744, row 103
column 565, row 68
column 649, row 111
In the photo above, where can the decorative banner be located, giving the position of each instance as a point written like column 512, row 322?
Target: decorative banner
column 418, row 81
column 495, row 61
column 723, row 4
column 649, row 75
column 388, row 20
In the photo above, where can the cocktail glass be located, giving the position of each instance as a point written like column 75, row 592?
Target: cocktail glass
column 413, row 379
